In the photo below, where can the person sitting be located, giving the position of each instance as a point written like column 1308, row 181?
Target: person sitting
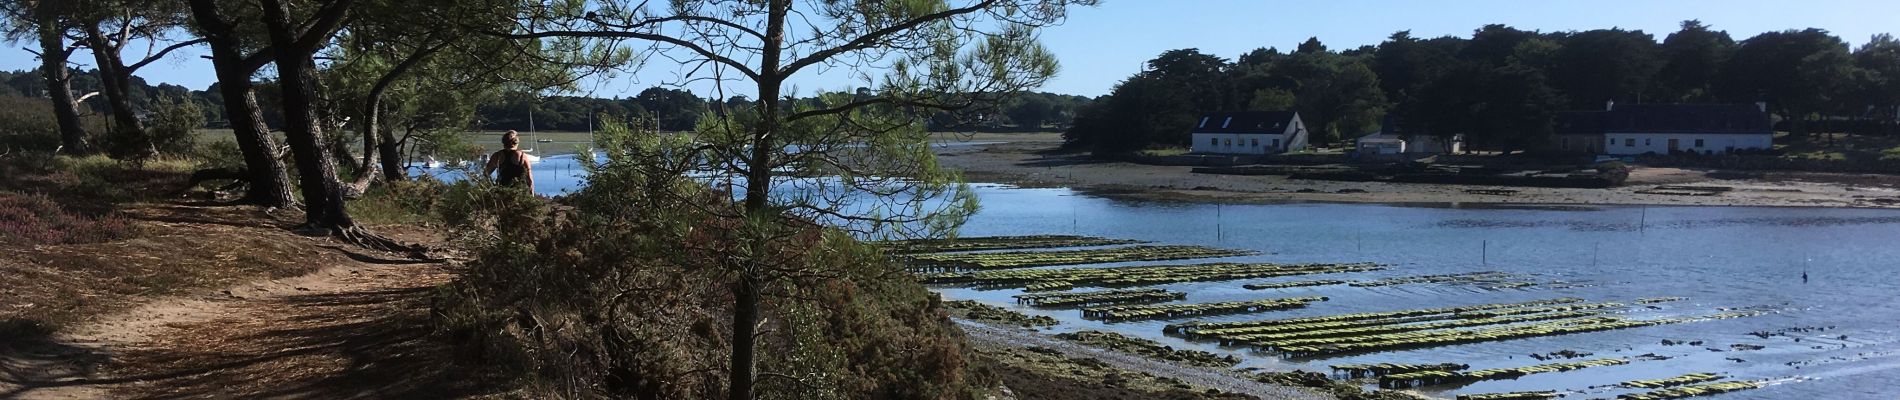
column 511, row 162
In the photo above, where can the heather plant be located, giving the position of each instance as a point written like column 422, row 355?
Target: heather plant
column 39, row 220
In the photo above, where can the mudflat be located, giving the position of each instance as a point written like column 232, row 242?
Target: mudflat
column 1036, row 160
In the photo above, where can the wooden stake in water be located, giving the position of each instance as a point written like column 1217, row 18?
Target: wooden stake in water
column 1643, row 224
column 1218, row 238
column 1484, row 253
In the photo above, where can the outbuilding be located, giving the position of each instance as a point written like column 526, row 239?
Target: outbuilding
column 1249, row 132
column 1388, row 142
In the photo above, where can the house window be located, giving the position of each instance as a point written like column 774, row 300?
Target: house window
column 1698, row 143
column 1203, row 122
column 1256, row 143
column 1213, row 141
column 1276, row 143
column 1230, row 143
column 1611, row 143
column 1229, row 120
column 1645, row 141
column 1629, row 142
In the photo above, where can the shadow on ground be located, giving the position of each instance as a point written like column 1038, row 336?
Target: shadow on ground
column 362, row 344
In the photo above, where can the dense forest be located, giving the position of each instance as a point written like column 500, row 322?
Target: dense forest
column 675, row 109
column 1501, row 86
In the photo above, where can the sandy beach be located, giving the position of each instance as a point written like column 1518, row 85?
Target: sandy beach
column 1032, row 160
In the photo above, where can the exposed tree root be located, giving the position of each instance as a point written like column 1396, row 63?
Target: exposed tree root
column 361, row 237
column 239, row 178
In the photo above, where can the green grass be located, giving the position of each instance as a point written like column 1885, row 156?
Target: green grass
column 1842, row 147
column 1164, row 152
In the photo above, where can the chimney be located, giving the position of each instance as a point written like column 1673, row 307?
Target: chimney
column 1609, row 105
column 1762, row 105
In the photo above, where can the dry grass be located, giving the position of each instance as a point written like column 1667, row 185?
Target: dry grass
column 180, row 247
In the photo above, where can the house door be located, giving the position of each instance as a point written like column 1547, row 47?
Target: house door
column 1672, row 145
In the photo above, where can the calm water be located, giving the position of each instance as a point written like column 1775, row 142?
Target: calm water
column 1717, row 257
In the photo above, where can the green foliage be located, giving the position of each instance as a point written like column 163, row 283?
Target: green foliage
column 1688, row 57
column 27, row 124
column 411, row 202
column 1799, row 73
column 1500, row 87
column 219, row 154
column 1271, row 99
column 608, row 294
column 174, row 125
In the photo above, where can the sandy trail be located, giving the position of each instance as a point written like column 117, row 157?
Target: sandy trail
column 355, row 329
column 1199, row 377
column 1027, row 159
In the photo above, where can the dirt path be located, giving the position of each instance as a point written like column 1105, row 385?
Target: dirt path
column 985, row 334
column 1026, row 159
column 352, row 329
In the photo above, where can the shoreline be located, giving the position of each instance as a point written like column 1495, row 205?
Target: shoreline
column 1029, row 160
column 984, row 335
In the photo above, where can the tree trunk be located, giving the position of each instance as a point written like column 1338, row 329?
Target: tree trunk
column 370, row 150
column 745, row 319
column 373, row 112
column 127, row 129
column 53, row 55
column 758, row 188
column 316, row 170
column 269, row 182
column 391, row 156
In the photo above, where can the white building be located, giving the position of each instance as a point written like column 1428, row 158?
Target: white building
column 1393, row 143
column 1667, row 129
column 1249, row 132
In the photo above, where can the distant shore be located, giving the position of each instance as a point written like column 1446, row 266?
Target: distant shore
column 1031, row 159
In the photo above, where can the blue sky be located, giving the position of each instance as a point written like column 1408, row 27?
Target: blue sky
column 1100, row 46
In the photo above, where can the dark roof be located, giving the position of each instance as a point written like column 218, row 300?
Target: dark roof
column 1244, row 122
column 1665, row 118
column 1687, row 118
column 1578, row 122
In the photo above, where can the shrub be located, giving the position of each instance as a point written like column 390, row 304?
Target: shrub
column 37, row 219
column 219, row 154
column 174, row 125
column 27, row 124
column 400, row 202
column 614, row 292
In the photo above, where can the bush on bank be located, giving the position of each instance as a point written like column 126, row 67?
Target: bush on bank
column 605, row 293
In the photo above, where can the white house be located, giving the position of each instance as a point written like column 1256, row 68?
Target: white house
column 1249, row 132
column 1668, row 128
column 1383, row 142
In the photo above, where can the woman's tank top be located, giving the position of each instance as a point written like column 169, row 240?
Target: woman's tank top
column 513, row 166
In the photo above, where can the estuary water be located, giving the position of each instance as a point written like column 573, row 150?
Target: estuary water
column 1845, row 313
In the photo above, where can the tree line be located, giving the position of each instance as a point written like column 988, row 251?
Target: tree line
column 672, row 109
column 1501, row 86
